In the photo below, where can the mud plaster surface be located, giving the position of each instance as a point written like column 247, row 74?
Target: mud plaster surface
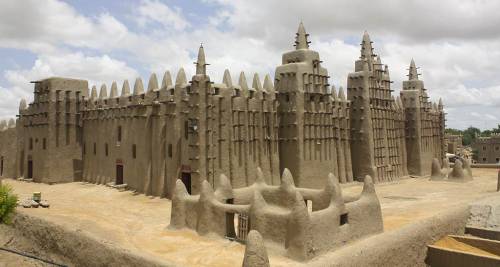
column 138, row 222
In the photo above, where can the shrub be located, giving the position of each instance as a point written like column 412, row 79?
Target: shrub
column 8, row 203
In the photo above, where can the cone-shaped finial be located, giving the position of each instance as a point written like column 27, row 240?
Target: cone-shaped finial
column 333, row 92
column 268, row 84
column 366, row 46
column 201, row 64
column 3, row 125
column 227, row 79
column 242, row 81
column 412, row 72
column 301, row 38
column 138, row 87
column 341, row 94
column 22, row 104
column 114, row 90
column 256, row 82
column 255, row 251
column 181, row 77
column 103, row 93
column 93, row 92
column 153, row 82
column 440, row 104
column 125, row 88
column 167, row 80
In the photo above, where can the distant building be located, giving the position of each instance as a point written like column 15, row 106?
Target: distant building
column 487, row 149
column 453, row 143
column 197, row 130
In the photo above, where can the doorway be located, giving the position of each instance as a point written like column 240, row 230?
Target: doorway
column 30, row 169
column 186, row 179
column 119, row 174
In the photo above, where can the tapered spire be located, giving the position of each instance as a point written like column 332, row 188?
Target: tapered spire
column 114, row 90
column 242, row 81
column 301, row 41
column 22, row 104
column 104, row 92
column 440, row 104
column 412, row 71
column 181, row 77
column 227, row 78
column 256, row 82
column 342, row 94
column 125, row 88
column 12, row 123
column 153, row 82
column 201, row 64
column 268, row 84
column 366, row 46
column 167, row 80
column 138, row 87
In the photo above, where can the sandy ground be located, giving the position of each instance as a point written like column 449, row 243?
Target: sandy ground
column 138, row 222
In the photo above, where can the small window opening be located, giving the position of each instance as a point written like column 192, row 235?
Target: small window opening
column 344, row 219
column 44, row 143
column 106, row 149
column 31, row 144
column 84, row 149
column 134, row 151
column 186, row 130
column 119, row 134
column 95, row 149
column 169, row 150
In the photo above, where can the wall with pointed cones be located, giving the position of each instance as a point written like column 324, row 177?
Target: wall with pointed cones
column 280, row 213
column 196, row 129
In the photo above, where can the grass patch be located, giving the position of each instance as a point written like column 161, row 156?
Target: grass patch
column 8, row 203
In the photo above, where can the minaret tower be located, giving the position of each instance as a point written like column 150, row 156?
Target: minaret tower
column 199, row 125
column 304, row 100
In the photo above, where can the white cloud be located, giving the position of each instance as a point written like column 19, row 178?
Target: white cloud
column 153, row 11
column 96, row 70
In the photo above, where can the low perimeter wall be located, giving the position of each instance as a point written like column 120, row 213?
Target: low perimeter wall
column 79, row 248
column 406, row 246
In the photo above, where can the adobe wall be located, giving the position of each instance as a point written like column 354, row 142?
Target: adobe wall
column 403, row 247
column 8, row 149
column 199, row 129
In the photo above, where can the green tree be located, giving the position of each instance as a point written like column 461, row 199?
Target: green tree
column 8, row 203
column 470, row 135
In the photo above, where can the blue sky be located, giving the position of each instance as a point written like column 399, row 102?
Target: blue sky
column 456, row 43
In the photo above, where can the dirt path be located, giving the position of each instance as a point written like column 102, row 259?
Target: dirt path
column 138, row 222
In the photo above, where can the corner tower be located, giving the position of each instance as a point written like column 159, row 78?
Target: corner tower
column 424, row 125
column 377, row 137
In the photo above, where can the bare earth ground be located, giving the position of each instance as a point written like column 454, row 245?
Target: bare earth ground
column 138, row 222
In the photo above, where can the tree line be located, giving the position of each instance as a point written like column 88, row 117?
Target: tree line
column 470, row 134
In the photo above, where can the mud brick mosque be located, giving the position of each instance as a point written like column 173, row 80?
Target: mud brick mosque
column 196, row 130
